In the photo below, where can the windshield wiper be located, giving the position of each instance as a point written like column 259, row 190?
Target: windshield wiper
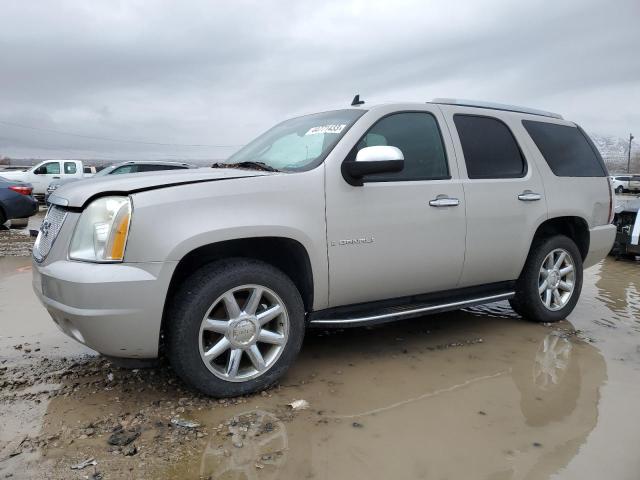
column 248, row 164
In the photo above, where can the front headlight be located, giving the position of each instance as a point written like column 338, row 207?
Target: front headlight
column 101, row 232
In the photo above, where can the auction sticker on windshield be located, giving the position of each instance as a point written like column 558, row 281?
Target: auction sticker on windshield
column 326, row 129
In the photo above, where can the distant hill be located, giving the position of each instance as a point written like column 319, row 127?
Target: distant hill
column 614, row 151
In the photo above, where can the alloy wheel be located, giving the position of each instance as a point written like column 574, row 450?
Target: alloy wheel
column 243, row 333
column 556, row 280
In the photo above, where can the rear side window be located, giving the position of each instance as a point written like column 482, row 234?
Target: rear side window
column 155, row 168
column 417, row 135
column 566, row 149
column 69, row 168
column 490, row 149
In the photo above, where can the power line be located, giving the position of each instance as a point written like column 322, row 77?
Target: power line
column 117, row 140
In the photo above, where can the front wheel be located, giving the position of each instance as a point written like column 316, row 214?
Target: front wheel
column 551, row 281
column 619, row 189
column 235, row 327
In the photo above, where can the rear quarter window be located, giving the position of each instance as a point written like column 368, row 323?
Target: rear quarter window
column 567, row 150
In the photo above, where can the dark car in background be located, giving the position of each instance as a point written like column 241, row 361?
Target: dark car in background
column 121, row 168
column 16, row 202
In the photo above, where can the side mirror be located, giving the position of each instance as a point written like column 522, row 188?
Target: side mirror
column 370, row 160
column 39, row 171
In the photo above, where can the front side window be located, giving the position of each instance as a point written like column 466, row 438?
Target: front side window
column 51, row 168
column 69, row 168
column 490, row 149
column 566, row 149
column 300, row 143
column 417, row 136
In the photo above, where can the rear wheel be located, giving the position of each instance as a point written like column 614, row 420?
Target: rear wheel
column 235, row 327
column 19, row 223
column 550, row 284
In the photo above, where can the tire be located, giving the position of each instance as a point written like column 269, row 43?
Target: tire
column 528, row 302
column 20, row 223
column 619, row 190
column 206, row 293
column 3, row 219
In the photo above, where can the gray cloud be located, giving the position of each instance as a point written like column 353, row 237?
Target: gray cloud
column 219, row 73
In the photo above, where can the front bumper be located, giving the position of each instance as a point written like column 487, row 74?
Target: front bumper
column 115, row 309
column 600, row 242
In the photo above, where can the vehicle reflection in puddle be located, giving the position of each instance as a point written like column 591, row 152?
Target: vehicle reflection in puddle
column 526, row 420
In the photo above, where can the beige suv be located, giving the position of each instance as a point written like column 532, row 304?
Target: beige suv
column 337, row 219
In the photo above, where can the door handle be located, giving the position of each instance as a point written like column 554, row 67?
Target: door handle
column 444, row 202
column 529, row 196
column 55, row 177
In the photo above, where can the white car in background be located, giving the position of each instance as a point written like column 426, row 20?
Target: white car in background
column 42, row 174
column 625, row 183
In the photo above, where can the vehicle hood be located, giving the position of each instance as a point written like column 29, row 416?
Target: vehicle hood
column 64, row 181
column 76, row 194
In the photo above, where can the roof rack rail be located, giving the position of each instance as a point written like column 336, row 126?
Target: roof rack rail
column 495, row 106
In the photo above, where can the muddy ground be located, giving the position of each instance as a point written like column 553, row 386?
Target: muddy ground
column 477, row 394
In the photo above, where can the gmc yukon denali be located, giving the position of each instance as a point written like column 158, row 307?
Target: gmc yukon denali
column 336, row 219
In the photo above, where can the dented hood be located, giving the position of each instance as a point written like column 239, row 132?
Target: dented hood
column 76, row 194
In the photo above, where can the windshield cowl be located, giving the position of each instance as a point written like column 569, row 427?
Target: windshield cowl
column 246, row 165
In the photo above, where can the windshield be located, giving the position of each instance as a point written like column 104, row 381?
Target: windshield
column 299, row 143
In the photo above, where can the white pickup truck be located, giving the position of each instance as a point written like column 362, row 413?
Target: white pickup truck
column 40, row 175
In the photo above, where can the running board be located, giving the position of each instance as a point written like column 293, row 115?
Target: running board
column 390, row 314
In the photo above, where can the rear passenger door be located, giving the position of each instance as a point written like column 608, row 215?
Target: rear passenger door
column 504, row 194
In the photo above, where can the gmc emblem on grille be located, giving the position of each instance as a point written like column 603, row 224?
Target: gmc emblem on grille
column 44, row 228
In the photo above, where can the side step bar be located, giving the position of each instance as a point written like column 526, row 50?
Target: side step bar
column 391, row 314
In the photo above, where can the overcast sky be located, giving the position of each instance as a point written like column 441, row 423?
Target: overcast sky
column 219, row 73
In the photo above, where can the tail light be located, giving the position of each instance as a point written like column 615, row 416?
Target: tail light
column 20, row 189
column 612, row 205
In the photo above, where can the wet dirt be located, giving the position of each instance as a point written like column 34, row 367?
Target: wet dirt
column 479, row 393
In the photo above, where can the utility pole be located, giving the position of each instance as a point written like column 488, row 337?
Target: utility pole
column 631, row 137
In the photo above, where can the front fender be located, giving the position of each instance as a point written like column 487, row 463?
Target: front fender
column 168, row 223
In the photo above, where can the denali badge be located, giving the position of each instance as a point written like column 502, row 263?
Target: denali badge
column 353, row 241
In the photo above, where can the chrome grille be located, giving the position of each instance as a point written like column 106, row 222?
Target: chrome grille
column 49, row 230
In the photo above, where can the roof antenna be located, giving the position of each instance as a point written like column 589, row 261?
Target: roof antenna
column 356, row 101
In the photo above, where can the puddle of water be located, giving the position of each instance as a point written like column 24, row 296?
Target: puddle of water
column 26, row 329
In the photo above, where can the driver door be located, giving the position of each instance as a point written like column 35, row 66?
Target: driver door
column 44, row 175
column 391, row 237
